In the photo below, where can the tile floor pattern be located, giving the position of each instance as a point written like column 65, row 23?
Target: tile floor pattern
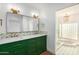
column 68, row 50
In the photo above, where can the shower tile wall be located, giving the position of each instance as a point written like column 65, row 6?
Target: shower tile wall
column 69, row 31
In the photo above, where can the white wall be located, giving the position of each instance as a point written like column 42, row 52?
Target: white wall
column 51, row 31
column 49, row 21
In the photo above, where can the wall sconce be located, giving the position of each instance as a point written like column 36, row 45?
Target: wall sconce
column 66, row 18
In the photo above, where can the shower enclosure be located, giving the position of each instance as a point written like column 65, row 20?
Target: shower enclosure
column 67, row 34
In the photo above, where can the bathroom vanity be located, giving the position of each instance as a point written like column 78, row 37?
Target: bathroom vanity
column 22, row 36
column 25, row 45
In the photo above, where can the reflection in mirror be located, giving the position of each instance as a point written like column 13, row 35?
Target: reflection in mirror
column 30, row 24
column 27, row 24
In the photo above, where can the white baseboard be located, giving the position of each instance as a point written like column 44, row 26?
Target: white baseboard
column 52, row 53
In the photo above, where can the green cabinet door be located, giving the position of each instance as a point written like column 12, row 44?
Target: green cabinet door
column 31, row 47
column 20, row 48
column 36, row 45
column 40, row 44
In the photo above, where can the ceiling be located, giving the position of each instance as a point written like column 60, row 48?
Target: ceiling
column 56, row 6
column 59, row 6
column 45, row 6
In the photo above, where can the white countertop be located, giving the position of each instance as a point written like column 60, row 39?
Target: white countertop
column 14, row 39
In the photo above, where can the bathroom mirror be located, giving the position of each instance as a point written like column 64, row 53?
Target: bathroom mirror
column 20, row 23
column 13, row 22
column 30, row 24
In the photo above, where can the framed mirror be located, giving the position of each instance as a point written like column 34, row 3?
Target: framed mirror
column 21, row 23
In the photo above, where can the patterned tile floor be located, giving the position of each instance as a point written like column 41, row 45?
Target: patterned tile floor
column 68, row 50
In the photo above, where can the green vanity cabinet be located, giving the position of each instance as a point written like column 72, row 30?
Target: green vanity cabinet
column 32, row 46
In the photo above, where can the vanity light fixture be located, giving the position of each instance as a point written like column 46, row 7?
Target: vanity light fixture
column 35, row 15
column 13, row 8
column 14, row 11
